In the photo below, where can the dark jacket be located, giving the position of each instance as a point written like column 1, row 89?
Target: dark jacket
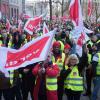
column 5, row 81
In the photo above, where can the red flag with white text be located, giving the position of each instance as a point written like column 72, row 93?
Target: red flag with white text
column 32, row 24
column 32, row 52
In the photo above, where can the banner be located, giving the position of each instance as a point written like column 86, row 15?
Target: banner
column 32, row 52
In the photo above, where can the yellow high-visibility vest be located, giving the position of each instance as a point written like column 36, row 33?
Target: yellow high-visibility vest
column 11, row 77
column 1, row 43
column 73, row 81
column 98, row 41
column 60, row 61
column 89, row 58
column 51, row 83
column 98, row 66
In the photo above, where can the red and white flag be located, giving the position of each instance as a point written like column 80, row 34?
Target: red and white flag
column 45, row 28
column 81, row 39
column 32, row 24
column 8, row 25
column 89, row 7
column 75, row 12
column 20, row 26
column 26, row 16
column 32, row 52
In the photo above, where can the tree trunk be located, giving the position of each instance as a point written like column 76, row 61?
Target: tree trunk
column 50, row 4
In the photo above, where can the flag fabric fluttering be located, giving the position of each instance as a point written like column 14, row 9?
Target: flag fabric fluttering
column 45, row 28
column 89, row 7
column 32, row 52
column 32, row 24
column 20, row 26
column 75, row 12
column 8, row 25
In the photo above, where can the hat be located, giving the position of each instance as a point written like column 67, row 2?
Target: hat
column 57, row 43
column 67, row 46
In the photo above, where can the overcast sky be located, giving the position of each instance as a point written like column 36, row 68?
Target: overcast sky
column 36, row 0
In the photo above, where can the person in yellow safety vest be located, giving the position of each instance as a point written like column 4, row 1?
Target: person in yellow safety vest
column 8, row 86
column 96, row 73
column 1, row 40
column 95, row 39
column 46, row 73
column 58, row 58
column 89, row 75
column 73, row 83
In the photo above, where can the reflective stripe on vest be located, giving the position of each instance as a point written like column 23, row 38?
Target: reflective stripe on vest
column 62, row 45
column 51, row 83
column 74, row 81
column 9, row 44
column 1, row 43
column 98, row 41
column 60, row 61
column 98, row 66
column 91, row 43
column 89, row 58
column 11, row 76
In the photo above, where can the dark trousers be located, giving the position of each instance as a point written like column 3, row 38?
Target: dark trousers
column 27, row 87
column 11, row 93
column 73, row 96
column 26, row 91
column 88, row 80
column 60, row 90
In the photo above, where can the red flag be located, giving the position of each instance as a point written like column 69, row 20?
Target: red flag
column 8, row 25
column 32, row 25
column 89, row 7
column 32, row 52
column 81, row 40
column 45, row 28
column 75, row 12
column 26, row 16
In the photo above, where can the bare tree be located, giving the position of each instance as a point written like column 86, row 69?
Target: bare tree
column 50, row 4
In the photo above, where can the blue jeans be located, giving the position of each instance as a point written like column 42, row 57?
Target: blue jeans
column 96, row 83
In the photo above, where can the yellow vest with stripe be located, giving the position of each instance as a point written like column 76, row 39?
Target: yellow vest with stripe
column 73, row 81
column 89, row 58
column 91, row 43
column 59, row 61
column 98, row 41
column 98, row 66
column 11, row 77
column 51, row 83
column 62, row 45
column 10, row 44
column 1, row 43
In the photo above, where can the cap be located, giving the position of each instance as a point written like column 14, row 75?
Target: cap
column 56, row 43
column 67, row 46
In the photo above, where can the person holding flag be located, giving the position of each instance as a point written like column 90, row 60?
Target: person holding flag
column 46, row 80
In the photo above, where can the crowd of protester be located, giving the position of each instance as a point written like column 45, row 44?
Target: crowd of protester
column 63, row 72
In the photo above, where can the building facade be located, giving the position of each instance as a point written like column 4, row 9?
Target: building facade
column 4, row 8
column 15, row 8
column 36, row 8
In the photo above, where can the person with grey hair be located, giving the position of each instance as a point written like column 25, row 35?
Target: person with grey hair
column 73, row 83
